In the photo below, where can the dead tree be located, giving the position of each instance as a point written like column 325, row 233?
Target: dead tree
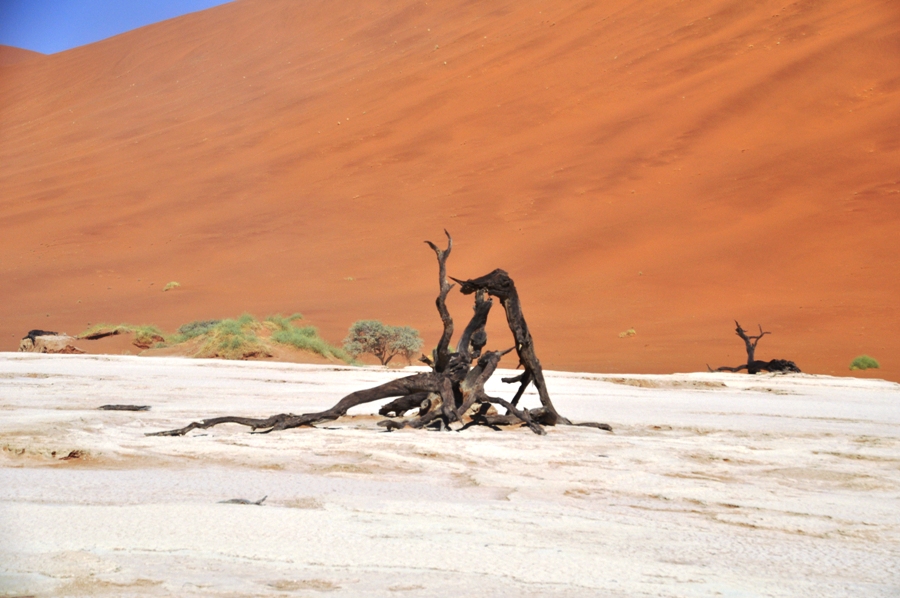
column 451, row 395
column 754, row 366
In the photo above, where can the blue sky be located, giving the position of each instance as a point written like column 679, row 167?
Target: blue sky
column 50, row 26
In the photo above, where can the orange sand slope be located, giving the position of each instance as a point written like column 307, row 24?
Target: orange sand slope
column 663, row 166
column 10, row 55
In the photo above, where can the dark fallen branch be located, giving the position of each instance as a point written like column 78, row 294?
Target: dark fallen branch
column 776, row 366
column 33, row 334
column 243, row 501
column 404, row 386
column 399, row 407
column 754, row 366
column 606, row 427
column 451, row 395
column 124, row 407
column 101, row 334
column 513, row 414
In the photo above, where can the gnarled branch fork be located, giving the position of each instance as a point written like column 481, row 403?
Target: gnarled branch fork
column 453, row 392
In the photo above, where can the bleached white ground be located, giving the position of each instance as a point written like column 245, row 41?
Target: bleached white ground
column 711, row 485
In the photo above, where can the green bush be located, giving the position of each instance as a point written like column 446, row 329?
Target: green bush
column 863, row 362
column 283, row 322
column 233, row 339
column 305, row 338
column 383, row 341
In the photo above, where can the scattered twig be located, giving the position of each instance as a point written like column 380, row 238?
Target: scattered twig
column 243, row 501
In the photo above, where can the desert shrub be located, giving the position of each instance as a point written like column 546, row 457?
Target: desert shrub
column 406, row 342
column 171, row 285
column 247, row 320
column 383, row 341
column 863, row 362
column 195, row 329
column 236, row 338
column 305, row 338
column 233, row 339
column 285, row 331
column 280, row 322
column 147, row 336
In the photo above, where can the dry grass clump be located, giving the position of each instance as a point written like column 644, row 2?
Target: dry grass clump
column 306, row 338
column 194, row 329
column 233, row 339
column 145, row 336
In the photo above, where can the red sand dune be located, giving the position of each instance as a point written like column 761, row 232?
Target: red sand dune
column 10, row 55
column 657, row 165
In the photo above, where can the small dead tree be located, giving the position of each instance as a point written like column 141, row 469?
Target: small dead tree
column 451, row 395
column 754, row 366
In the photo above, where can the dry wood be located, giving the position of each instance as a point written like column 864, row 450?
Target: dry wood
column 244, row 501
column 498, row 284
column 452, row 394
column 754, row 366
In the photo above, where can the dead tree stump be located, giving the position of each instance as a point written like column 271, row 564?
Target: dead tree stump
column 754, row 366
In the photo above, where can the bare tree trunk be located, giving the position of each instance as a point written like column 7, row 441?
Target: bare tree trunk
column 498, row 284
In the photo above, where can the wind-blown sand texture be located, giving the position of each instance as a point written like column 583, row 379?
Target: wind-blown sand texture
column 10, row 55
column 667, row 167
column 711, row 484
